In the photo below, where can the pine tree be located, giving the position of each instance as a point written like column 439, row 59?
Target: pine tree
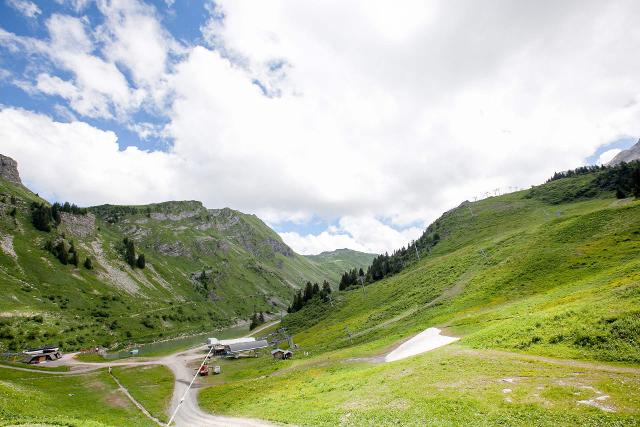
column 308, row 292
column 326, row 288
column 62, row 252
column 261, row 317
column 75, row 258
column 141, row 261
column 315, row 290
column 88, row 264
column 41, row 217
column 129, row 252
column 55, row 213
column 635, row 181
column 254, row 322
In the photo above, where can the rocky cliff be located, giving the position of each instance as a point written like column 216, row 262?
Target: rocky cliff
column 9, row 169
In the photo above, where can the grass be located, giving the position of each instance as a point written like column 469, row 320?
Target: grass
column 151, row 386
column 449, row 386
column 35, row 367
column 73, row 400
column 515, row 276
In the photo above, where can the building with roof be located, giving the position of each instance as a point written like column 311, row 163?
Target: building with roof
column 42, row 354
column 249, row 348
column 281, row 354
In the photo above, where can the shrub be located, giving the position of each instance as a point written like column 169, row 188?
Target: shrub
column 129, row 252
column 41, row 217
column 88, row 264
column 141, row 261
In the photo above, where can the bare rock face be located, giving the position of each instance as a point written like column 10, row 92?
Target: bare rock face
column 79, row 225
column 628, row 155
column 9, row 169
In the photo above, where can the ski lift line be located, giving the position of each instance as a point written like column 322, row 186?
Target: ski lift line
column 189, row 387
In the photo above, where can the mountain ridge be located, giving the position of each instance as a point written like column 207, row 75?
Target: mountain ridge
column 203, row 269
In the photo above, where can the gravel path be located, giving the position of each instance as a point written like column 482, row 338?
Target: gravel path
column 190, row 414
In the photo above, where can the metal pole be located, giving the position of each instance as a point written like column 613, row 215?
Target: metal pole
column 188, row 388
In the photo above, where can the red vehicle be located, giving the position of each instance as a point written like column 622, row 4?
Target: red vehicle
column 204, row 370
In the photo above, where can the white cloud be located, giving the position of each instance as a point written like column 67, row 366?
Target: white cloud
column 607, row 156
column 134, row 38
column 77, row 5
column 76, row 160
column 360, row 233
column 146, row 130
column 25, row 7
column 396, row 113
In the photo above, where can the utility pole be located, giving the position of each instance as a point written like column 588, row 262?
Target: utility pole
column 362, row 284
column 415, row 245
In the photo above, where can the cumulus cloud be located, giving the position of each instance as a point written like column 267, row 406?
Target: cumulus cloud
column 365, row 234
column 607, row 156
column 76, row 159
column 383, row 120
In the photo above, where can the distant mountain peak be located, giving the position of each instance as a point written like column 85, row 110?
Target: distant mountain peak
column 630, row 154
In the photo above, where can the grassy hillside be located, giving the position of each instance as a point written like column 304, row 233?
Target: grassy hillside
column 205, row 269
column 520, row 278
column 71, row 400
column 341, row 260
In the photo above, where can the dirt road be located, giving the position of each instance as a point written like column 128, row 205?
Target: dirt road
column 189, row 414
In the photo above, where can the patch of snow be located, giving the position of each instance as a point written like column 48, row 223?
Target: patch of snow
column 425, row 341
column 506, row 390
column 598, row 403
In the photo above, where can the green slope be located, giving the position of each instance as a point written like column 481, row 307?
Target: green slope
column 340, row 260
column 246, row 267
column 548, row 272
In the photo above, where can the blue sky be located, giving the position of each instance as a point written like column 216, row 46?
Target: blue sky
column 358, row 136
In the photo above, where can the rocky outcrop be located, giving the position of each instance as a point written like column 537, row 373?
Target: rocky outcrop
column 9, row 170
column 278, row 247
column 173, row 249
column 78, row 224
column 159, row 216
column 628, row 155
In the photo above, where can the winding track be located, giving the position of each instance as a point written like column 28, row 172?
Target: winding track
column 190, row 414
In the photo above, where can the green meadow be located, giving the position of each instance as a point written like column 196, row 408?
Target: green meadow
column 543, row 292
column 29, row 398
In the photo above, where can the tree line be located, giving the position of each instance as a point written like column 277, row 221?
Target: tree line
column 45, row 217
column 310, row 291
column 66, row 252
column 387, row 265
column 582, row 170
column 128, row 250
